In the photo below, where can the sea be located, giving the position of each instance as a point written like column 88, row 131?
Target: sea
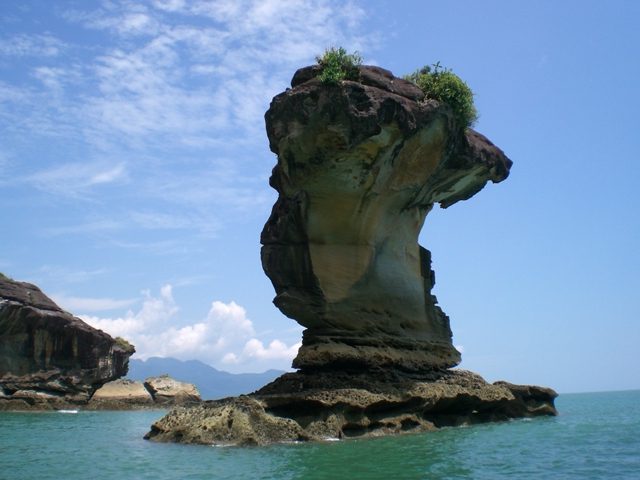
column 595, row 436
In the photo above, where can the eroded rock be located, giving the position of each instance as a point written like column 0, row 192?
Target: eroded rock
column 154, row 392
column 323, row 406
column 166, row 390
column 47, row 354
column 121, row 394
column 360, row 164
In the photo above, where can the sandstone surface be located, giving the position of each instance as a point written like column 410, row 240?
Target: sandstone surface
column 154, row 392
column 48, row 356
column 166, row 390
column 360, row 164
column 121, row 394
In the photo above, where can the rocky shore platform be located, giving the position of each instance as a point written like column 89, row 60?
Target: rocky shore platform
column 328, row 406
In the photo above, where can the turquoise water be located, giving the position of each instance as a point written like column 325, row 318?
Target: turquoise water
column 596, row 435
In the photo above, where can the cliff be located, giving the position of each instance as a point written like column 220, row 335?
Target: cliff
column 47, row 355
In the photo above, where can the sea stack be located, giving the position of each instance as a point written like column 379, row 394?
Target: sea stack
column 361, row 162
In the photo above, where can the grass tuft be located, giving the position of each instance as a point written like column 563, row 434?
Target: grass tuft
column 443, row 85
column 338, row 65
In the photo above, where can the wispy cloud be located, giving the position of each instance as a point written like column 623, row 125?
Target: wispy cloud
column 84, row 304
column 57, row 274
column 39, row 45
column 91, row 227
column 245, row 50
column 75, row 179
column 169, row 109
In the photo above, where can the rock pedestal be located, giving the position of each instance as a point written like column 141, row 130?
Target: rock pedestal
column 360, row 164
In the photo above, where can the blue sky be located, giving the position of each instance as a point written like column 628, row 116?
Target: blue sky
column 134, row 168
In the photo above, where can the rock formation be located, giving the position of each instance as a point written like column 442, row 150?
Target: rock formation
column 121, row 394
column 360, row 164
column 154, row 392
column 47, row 355
column 334, row 405
column 166, row 390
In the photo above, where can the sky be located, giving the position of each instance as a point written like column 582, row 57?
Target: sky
column 134, row 172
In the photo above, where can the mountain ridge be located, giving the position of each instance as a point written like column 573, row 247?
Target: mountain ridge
column 211, row 382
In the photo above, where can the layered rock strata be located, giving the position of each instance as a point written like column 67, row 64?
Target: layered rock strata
column 154, row 392
column 324, row 406
column 360, row 164
column 48, row 356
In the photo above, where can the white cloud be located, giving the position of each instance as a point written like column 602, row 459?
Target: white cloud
column 37, row 45
column 254, row 348
column 162, row 106
column 246, row 49
column 225, row 337
column 75, row 179
column 90, row 227
column 60, row 274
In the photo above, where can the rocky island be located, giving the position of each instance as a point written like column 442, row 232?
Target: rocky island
column 361, row 161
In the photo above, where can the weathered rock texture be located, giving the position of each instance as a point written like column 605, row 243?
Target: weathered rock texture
column 166, row 390
column 121, row 394
column 321, row 406
column 155, row 392
column 47, row 355
column 360, row 164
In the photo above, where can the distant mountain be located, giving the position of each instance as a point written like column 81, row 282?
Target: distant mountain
column 212, row 383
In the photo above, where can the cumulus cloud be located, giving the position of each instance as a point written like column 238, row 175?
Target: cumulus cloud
column 225, row 337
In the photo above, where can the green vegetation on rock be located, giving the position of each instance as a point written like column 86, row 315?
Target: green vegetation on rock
column 124, row 344
column 4, row 277
column 338, row 65
column 443, row 85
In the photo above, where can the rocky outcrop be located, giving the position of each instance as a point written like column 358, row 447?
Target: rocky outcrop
column 48, row 356
column 121, row 394
column 166, row 390
column 360, row 164
column 323, row 406
column 155, row 392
